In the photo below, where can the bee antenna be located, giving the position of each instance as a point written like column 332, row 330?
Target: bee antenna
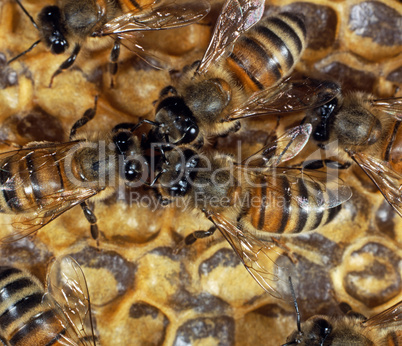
column 27, row 13
column 144, row 121
column 298, row 318
column 24, row 52
column 157, row 177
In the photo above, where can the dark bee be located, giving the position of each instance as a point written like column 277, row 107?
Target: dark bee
column 253, row 200
column 72, row 23
column 351, row 329
column 242, row 74
column 356, row 127
column 43, row 180
column 61, row 316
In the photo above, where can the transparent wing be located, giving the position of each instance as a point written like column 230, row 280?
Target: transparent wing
column 236, row 17
column 165, row 14
column 392, row 106
column 16, row 177
column 67, row 287
column 286, row 147
column 260, row 258
column 287, row 97
column 392, row 315
column 312, row 190
column 388, row 181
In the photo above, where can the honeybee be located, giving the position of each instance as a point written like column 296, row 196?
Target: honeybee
column 61, row 316
column 40, row 182
column 74, row 22
column 351, row 329
column 356, row 127
column 239, row 76
column 254, row 200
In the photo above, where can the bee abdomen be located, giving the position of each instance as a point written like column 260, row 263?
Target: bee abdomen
column 281, row 211
column 24, row 318
column 26, row 180
column 268, row 52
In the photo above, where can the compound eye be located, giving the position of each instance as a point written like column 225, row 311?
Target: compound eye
column 322, row 328
column 123, row 141
column 59, row 46
column 132, row 170
column 180, row 189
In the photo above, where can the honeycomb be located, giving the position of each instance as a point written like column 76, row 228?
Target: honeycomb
column 142, row 291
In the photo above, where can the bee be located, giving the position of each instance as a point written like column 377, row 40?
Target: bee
column 356, row 127
column 242, row 74
column 43, row 180
column 59, row 316
column 73, row 22
column 351, row 329
column 254, row 200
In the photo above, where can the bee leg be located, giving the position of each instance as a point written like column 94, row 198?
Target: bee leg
column 88, row 115
column 90, row 216
column 284, row 247
column 67, row 64
column 114, row 56
column 192, row 238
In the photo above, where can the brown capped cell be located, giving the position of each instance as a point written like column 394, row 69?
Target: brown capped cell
column 321, row 23
column 218, row 330
column 372, row 275
column 374, row 30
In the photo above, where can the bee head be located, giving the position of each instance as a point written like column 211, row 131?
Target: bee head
column 180, row 171
column 176, row 121
column 128, row 147
column 52, row 29
column 324, row 117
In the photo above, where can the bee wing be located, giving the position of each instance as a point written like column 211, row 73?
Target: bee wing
column 257, row 256
column 67, row 288
column 392, row 106
column 25, row 225
column 165, row 14
column 388, row 181
column 53, row 205
column 311, row 189
column 388, row 316
column 236, row 17
column 286, row 147
column 287, row 97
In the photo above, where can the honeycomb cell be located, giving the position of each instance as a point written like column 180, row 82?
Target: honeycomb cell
column 372, row 274
column 151, row 321
column 37, row 125
column 115, row 272
column 321, row 22
column 211, row 331
column 377, row 21
column 351, row 78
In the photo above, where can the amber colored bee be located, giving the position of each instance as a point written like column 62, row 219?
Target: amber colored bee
column 254, row 200
column 239, row 76
column 61, row 316
column 356, row 127
column 40, row 182
column 350, row 329
column 72, row 23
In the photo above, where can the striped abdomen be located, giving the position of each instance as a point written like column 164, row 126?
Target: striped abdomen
column 274, row 210
column 393, row 338
column 268, row 52
column 393, row 151
column 133, row 5
column 24, row 318
column 31, row 178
